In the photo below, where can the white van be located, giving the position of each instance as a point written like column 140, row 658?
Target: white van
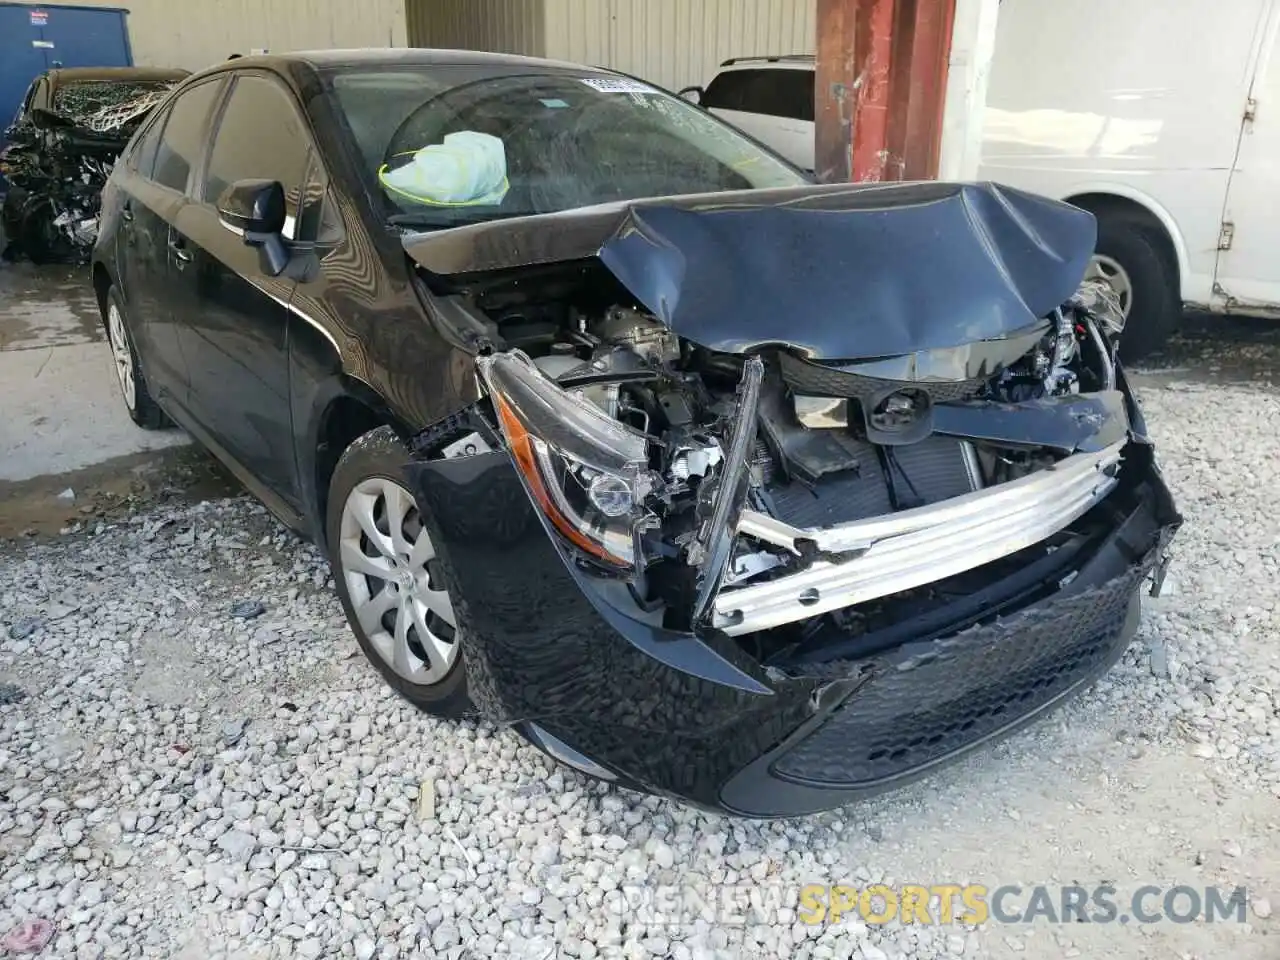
column 1162, row 117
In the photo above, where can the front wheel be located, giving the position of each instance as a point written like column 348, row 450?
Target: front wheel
column 390, row 579
column 1131, row 259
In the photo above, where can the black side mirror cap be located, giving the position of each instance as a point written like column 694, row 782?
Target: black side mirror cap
column 255, row 210
column 692, row 94
column 253, row 207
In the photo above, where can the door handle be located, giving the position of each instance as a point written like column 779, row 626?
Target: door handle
column 180, row 250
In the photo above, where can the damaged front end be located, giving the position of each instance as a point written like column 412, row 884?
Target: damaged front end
column 770, row 574
column 58, row 161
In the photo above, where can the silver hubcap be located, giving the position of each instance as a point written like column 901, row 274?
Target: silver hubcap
column 1104, row 268
column 121, row 354
column 388, row 564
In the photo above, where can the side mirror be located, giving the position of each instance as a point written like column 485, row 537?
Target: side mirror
column 692, row 94
column 254, row 209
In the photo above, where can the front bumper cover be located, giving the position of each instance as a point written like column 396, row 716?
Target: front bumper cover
column 561, row 654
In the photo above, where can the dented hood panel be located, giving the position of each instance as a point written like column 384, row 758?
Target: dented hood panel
column 835, row 272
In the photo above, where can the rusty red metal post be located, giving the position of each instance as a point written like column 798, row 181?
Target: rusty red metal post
column 881, row 88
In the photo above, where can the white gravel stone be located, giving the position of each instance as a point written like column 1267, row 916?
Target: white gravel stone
column 168, row 757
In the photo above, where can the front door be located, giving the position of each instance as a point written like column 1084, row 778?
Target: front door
column 1248, row 275
column 235, row 316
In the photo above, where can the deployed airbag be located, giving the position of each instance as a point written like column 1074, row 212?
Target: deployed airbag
column 467, row 168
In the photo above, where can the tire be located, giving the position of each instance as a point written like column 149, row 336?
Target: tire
column 143, row 409
column 1137, row 247
column 390, row 609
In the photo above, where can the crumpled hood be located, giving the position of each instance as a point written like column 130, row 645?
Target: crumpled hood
column 834, row 272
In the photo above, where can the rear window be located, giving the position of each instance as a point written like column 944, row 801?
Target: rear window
column 772, row 91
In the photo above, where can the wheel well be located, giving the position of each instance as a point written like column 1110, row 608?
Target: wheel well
column 344, row 421
column 1108, row 204
column 101, row 284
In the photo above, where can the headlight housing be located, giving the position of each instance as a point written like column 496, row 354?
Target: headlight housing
column 587, row 473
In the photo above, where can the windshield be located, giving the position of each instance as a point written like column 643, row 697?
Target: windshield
column 540, row 143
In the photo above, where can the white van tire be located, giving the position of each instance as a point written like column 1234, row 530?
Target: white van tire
column 1156, row 306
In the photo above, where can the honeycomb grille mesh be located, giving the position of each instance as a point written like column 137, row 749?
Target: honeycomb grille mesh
column 933, row 699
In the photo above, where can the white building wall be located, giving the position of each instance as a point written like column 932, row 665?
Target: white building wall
column 197, row 33
column 676, row 43
column 502, row 26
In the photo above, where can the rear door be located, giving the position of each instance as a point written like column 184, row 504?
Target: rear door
column 773, row 104
column 154, row 188
column 234, row 315
column 1248, row 274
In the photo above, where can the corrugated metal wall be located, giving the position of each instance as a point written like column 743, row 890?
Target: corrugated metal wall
column 197, row 33
column 676, row 43
column 503, row 26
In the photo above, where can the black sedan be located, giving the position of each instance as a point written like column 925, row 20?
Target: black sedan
column 708, row 480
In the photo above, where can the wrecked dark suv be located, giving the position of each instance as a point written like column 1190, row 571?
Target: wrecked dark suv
column 708, row 480
column 59, row 151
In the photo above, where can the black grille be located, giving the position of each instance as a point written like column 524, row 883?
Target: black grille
column 923, row 473
column 825, row 381
column 929, row 700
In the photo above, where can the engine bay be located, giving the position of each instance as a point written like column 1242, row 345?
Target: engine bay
column 712, row 437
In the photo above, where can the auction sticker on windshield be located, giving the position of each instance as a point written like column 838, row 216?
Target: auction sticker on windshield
column 618, row 85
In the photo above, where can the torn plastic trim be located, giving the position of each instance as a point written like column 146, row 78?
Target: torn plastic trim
column 714, row 544
column 914, row 547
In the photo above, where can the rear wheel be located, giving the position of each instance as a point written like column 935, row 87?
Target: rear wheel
column 133, row 385
column 1132, row 258
column 390, row 579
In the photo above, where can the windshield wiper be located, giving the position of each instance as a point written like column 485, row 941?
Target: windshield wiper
column 427, row 222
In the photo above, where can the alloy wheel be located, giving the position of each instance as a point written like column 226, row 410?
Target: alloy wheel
column 121, row 354
column 391, row 573
column 1109, row 270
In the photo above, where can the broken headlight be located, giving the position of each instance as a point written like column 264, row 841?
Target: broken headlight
column 588, row 473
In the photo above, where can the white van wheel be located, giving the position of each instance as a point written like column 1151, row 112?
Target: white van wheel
column 1133, row 256
column 1111, row 272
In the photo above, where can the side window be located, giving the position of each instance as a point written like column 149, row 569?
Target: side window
column 774, row 92
column 27, row 101
column 142, row 157
column 184, row 135
column 261, row 136
column 794, row 94
column 725, row 91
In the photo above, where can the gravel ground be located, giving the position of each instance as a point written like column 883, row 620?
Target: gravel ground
column 194, row 762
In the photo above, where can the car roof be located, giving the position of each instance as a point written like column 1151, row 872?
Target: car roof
column 118, row 74
column 784, row 61
column 394, row 56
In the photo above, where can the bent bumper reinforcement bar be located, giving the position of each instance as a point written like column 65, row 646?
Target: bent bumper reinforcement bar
column 914, row 547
